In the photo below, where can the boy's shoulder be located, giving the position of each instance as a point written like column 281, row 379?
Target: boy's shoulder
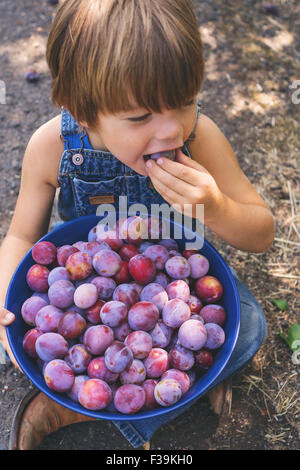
column 48, row 146
column 210, row 147
column 48, row 135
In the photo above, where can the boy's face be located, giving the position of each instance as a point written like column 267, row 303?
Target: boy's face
column 131, row 135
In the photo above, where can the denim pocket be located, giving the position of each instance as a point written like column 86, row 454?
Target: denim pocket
column 89, row 194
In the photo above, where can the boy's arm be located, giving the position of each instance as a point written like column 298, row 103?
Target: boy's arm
column 242, row 218
column 232, row 207
column 32, row 213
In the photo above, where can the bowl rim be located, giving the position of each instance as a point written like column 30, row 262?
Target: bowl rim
column 144, row 414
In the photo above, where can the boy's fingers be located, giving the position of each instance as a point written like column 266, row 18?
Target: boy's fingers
column 6, row 346
column 11, row 356
column 182, row 158
column 6, row 317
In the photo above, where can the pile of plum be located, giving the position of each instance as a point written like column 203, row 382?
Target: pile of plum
column 120, row 322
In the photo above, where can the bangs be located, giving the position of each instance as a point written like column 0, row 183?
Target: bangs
column 159, row 75
column 122, row 54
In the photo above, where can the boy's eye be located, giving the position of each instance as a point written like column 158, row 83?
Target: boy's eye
column 139, row 118
column 145, row 116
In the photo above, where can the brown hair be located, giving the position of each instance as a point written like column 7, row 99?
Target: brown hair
column 103, row 53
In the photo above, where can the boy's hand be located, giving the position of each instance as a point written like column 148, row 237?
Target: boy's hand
column 185, row 181
column 6, row 318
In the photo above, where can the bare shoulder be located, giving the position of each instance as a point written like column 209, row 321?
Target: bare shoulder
column 45, row 148
column 210, row 146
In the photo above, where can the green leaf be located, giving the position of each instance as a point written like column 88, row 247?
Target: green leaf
column 281, row 304
column 293, row 337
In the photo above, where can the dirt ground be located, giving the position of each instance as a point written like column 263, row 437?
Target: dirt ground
column 252, row 59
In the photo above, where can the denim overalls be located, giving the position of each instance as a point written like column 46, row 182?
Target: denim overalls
column 90, row 177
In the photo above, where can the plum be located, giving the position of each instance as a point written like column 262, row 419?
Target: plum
column 181, row 358
column 142, row 269
column 213, row 313
column 204, row 358
column 156, row 294
column 178, row 289
column 98, row 370
column 107, row 262
column 30, row 308
column 127, row 251
column 123, row 274
column 215, row 335
column 140, row 343
column 143, row 316
column 127, row 294
column 95, row 394
column 194, row 303
column 187, row 253
column 71, row 325
column 51, row 346
column 59, row 376
column 169, row 243
column 105, row 286
column 133, row 230
column 209, row 289
column 149, row 386
column 159, row 255
column 97, row 338
column 93, row 312
column 178, row 267
column 167, row 392
column 85, row 295
column 162, row 279
column 113, row 313
column 78, row 358
column 29, row 341
column 61, row 294
column 90, row 248
column 111, row 238
column 57, row 274
column 79, row 266
column 179, row 375
column 161, row 334
column 37, row 278
column 44, row 252
column 74, row 390
column 118, row 357
column 47, row 319
column 134, row 374
column 156, row 363
column 175, row 313
column 122, row 331
column 192, row 334
column 129, row 398
column 63, row 253
column 199, row 265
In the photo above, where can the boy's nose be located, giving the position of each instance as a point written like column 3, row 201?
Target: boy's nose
column 170, row 133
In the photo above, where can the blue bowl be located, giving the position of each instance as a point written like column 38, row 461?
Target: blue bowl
column 77, row 229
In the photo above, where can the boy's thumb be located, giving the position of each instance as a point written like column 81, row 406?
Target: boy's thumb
column 6, row 317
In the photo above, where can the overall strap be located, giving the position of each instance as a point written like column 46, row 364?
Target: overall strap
column 72, row 138
column 192, row 135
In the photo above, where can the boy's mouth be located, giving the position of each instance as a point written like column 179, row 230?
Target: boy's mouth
column 155, row 156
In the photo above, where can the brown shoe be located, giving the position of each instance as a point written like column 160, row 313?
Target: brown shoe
column 36, row 417
column 220, row 398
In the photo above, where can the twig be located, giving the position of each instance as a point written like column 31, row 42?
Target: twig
column 281, row 388
column 286, row 241
column 288, row 276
